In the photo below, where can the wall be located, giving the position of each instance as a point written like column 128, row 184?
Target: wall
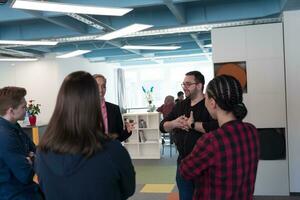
column 292, row 63
column 43, row 78
column 261, row 46
column 7, row 74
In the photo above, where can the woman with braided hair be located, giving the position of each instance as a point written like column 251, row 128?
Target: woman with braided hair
column 223, row 163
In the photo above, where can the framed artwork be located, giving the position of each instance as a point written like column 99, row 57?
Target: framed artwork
column 235, row 69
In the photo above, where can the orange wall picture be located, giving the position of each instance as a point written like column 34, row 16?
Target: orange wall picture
column 235, row 69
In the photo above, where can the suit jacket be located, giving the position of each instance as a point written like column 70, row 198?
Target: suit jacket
column 115, row 121
column 16, row 174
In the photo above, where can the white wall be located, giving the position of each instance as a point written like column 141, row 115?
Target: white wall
column 43, row 78
column 292, row 64
column 261, row 46
column 7, row 74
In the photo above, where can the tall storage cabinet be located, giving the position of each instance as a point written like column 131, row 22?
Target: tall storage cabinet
column 261, row 47
column 144, row 143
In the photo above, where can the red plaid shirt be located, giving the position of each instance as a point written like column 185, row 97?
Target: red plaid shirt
column 223, row 163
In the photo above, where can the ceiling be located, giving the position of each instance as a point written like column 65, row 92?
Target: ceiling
column 184, row 23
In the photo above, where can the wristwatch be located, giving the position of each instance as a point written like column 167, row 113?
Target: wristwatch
column 193, row 125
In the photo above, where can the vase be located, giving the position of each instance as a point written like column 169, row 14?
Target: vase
column 151, row 107
column 32, row 120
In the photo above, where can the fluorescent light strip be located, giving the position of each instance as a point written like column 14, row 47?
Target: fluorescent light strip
column 141, row 47
column 124, row 31
column 208, row 46
column 170, row 56
column 18, row 59
column 73, row 54
column 69, row 8
column 28, row 42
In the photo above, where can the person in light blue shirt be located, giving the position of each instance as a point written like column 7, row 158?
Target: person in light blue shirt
column 16, row 149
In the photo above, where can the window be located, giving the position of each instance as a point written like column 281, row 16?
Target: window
column 165, row 79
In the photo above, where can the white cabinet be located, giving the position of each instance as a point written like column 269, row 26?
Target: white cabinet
column 144, row 143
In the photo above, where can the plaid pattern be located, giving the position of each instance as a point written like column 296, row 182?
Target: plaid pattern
column 224, row 162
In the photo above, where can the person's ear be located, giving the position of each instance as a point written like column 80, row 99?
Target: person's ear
column 213, row 103
column 10, row 111
column 199, row 86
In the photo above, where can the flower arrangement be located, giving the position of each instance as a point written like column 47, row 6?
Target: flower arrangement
column 149, row 98
column 33, row 109
column 148, row 94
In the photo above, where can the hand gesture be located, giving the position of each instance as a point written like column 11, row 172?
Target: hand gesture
column 181, row 122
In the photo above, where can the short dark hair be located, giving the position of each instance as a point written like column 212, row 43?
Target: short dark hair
column 228, row 94
column 76, row 126
column 10, row 97
column 180, row 93
column 199, row 78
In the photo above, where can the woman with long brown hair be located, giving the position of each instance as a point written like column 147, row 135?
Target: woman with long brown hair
column 75, row 159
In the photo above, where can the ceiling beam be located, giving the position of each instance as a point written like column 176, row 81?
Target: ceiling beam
column 63, row 23
column 290, row 4
column 177, row 10
column 201, row 46
column 18, row 53
column 96, row 21
column 107, row 28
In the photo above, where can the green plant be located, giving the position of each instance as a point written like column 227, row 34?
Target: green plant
column 33, row 109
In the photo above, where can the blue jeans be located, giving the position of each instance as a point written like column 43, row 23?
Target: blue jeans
column 185, row 187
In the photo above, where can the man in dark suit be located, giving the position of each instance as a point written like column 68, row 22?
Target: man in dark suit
column 16, row 149
column 111, row 114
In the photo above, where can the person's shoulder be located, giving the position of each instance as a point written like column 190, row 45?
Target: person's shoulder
column 8, row 138
column 249, row 125
column 111, row 105
column 113, row 145
column 116, row 149
column 6, row 132
column 214, row 134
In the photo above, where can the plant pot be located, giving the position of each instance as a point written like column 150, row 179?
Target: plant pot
column 32, row 120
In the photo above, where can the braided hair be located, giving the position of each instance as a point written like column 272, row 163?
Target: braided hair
column 228, row 94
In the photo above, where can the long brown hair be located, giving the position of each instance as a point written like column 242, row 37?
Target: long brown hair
column 76, row 126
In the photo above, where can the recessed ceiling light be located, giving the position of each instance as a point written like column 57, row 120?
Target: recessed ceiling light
column 69, row 8
column 142, row 47
column 28, row 42
column 18, row 59
column 73, row 54
column 124, row 31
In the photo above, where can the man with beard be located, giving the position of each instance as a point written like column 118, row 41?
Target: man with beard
column 188, row 121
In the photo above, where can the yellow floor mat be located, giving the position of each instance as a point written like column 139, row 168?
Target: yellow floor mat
column 158, row 188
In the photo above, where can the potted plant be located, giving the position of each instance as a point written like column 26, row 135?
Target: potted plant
column 33, row 110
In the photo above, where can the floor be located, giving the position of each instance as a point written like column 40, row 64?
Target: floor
column 156, row 179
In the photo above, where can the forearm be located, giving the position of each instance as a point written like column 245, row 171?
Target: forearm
column 168, row 126
column 199, row 127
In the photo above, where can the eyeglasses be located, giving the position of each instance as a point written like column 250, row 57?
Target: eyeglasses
column 187, row 84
